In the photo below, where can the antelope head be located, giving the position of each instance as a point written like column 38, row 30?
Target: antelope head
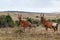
column 19, row 16
column 42, row 17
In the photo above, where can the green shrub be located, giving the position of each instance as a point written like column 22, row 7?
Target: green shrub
column 9, row 21
column 55, row 20
column 37, row 22
column 37, row 16
column 6, row 20
column 29, row 19
column 2, row 20
column 17, row 23
column 33, row 21
column 58, row 20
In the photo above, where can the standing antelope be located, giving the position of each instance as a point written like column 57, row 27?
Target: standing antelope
column 48, row 24
column 24, row 24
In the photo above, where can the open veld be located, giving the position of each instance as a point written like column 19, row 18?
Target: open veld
column 39, row 34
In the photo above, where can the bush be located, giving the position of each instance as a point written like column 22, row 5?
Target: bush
column 37, row 16
column 58, row 20
column 9, row 21
column 37, row 22
column 55, row 20
column 2, row 21
column 17, row 23
column 11, row 24
column 33, row 21
column 29, row 19
column 6, row 20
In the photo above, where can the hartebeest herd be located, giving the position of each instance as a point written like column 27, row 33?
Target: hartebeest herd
column 44, row 22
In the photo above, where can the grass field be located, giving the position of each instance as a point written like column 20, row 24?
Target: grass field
column 39, row 34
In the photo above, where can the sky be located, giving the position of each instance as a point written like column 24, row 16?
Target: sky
column 30, row 5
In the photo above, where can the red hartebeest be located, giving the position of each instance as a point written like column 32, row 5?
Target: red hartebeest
column 24, row 24
column 48, row 24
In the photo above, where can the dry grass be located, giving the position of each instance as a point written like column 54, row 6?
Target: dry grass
column 39, row 34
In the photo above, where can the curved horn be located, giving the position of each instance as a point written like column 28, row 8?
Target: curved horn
column 40, row 14
column 19, row 15
column 43, row 15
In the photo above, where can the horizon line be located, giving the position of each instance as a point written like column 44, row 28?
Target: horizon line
column 27, row 11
